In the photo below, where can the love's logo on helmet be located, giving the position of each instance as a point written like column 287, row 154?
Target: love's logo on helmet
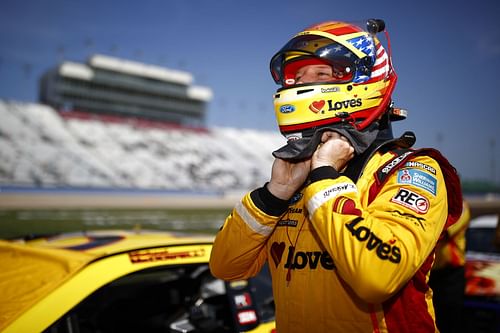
column 350, row 103
column 317, row 106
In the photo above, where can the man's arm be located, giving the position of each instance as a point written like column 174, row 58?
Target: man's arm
column 239, row 249
column 379, row 248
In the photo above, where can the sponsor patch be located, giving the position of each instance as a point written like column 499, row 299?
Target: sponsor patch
column 418, row 178
column 339, row 189
column 287, row 223
column 413, row 164
column 395, row 161
column 296, row 198
column 417, row 220
column 298, row 259
column 385, row 250
column 344, row 205
column 409, row 199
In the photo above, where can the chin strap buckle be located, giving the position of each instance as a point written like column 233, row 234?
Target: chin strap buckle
column 346, row 118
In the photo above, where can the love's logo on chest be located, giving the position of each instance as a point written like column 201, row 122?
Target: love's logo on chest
column 277, row 250
column 297, row 259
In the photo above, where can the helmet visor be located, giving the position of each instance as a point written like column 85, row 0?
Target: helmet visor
column 300, row 51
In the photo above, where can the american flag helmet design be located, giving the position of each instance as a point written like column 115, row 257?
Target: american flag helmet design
column 377, row 54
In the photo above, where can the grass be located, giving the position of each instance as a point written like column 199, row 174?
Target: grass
column 22, row 222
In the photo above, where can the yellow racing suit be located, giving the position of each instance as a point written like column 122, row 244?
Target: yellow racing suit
column 347, row 253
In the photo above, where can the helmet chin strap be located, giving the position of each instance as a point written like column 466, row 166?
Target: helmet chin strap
column 383, row 107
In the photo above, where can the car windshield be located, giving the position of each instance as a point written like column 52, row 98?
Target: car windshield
column 481, row 240
column 163, row 299
column 480, row 235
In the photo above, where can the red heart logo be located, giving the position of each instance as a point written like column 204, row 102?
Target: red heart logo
column 350, row 208
column 277, row 250
column 316, row 106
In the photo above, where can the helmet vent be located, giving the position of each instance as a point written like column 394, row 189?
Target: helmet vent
column 303, row 91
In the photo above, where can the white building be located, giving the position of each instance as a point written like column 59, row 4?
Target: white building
column 108, row 85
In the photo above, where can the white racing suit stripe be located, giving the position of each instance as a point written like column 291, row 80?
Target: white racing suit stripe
column 329, row 193
column 251, row 222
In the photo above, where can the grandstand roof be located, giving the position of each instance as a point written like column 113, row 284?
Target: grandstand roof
column 128, row 67
column 140, row 69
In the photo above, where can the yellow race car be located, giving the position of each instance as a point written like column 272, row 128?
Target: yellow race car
column 125, row 281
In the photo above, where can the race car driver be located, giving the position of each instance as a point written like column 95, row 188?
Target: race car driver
column 350, row 217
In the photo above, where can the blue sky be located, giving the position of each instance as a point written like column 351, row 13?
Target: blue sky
column 446, row 54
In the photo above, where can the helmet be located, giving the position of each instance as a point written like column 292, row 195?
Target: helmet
column 360, row 91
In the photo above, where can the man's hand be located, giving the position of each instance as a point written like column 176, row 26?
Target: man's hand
column 287, row 177
column 334, row 150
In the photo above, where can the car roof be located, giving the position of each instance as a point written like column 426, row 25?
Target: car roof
column 31, row 268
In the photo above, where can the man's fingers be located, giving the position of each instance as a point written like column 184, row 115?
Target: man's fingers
column 330, row 135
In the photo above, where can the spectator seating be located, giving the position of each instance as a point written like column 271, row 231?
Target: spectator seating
column 40, row 147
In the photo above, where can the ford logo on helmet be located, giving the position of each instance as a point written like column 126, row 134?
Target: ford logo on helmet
column 287, row 108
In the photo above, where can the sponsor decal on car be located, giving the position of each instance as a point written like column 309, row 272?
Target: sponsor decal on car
column 242, row 300
column 247, row 317
column 238, row 284
column 141, row 256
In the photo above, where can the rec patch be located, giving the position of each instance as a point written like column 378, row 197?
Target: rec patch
column 411, row 200
column 418, row 178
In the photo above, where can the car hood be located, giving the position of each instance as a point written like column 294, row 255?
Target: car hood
column 32, row 269
column 28, row 274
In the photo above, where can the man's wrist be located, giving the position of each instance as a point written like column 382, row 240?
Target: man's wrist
column 268, row 202
column 281, row 192
column 323, row 172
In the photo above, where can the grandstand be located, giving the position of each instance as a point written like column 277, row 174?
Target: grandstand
column 109, row 85
column 44, row 148
column 116, row 124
